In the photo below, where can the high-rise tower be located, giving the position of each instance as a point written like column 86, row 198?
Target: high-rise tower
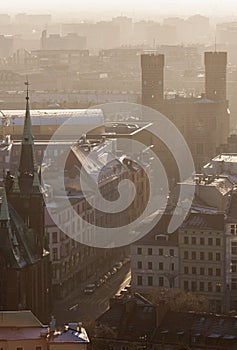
column 152, row 80
column 215, row 75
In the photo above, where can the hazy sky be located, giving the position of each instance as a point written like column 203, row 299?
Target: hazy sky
column 210, row 7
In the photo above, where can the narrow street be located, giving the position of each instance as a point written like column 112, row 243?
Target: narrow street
column 88, row 307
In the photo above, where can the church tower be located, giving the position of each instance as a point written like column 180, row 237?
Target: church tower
column 25, row 195
column 25, row 192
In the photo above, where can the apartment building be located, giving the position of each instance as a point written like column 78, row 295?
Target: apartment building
column 202, row 257
column 155, row 259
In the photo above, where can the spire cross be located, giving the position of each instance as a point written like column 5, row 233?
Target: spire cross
column 27, row 89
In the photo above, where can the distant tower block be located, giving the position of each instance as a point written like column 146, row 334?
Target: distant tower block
column 215, row 80
column 152, row 80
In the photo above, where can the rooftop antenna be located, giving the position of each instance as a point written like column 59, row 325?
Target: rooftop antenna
column 215, row 43
column 154, row 44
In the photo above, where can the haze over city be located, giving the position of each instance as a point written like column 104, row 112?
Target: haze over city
column 151, row 8
column 118, row 175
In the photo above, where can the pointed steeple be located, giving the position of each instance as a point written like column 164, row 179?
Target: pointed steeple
column 4, row 213
column 27, row 137
column 27, row 158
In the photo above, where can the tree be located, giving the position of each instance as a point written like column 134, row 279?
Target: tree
column 179, row 300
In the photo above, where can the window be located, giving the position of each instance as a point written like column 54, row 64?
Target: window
column 185, row 254
column 193, row 255
column 55, row 254
column 202, row 241
column 201, row 286
column 234, row 248
column 202, row 271
column 149, row 265
column 161, row 266
column 210, row 241
column 172, row 267
column 38, row 348
column 218, row 256
column 234, row 283
column 194, row 270
column 233, row 229
column 194, row 240
column 149, row 251
column 210, row 256
column 185, row 239
column 202, row 256
column 19, row 348
column 210, row 271
column 218, row 272
column 139, row 251
column 185, row 285
column 55, row 237
column 161, row 281
column 218, row 241
column 139, row 280
column 161, row 251
column 186, row 270
column 150, row 281
column 54, row 272
column 218, row 287
column 209, row 287
column 139, row 264
column 171, row 252
column 233, row 265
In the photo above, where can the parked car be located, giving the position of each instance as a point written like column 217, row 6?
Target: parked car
column 100, row 282
column 113, row 270
column 90, row 288
column 118, row 265
column 108, row 274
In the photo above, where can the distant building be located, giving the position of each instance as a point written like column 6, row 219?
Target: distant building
column 204, row 122
column 72, row 41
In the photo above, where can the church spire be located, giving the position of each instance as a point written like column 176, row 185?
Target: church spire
column 27, row 159
column 27, row 164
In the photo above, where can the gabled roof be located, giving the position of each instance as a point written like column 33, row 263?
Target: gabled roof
column 19, row 319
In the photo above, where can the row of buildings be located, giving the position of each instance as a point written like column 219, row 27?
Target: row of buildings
column 200, row 257
column 38, row 260
column 134, row 322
